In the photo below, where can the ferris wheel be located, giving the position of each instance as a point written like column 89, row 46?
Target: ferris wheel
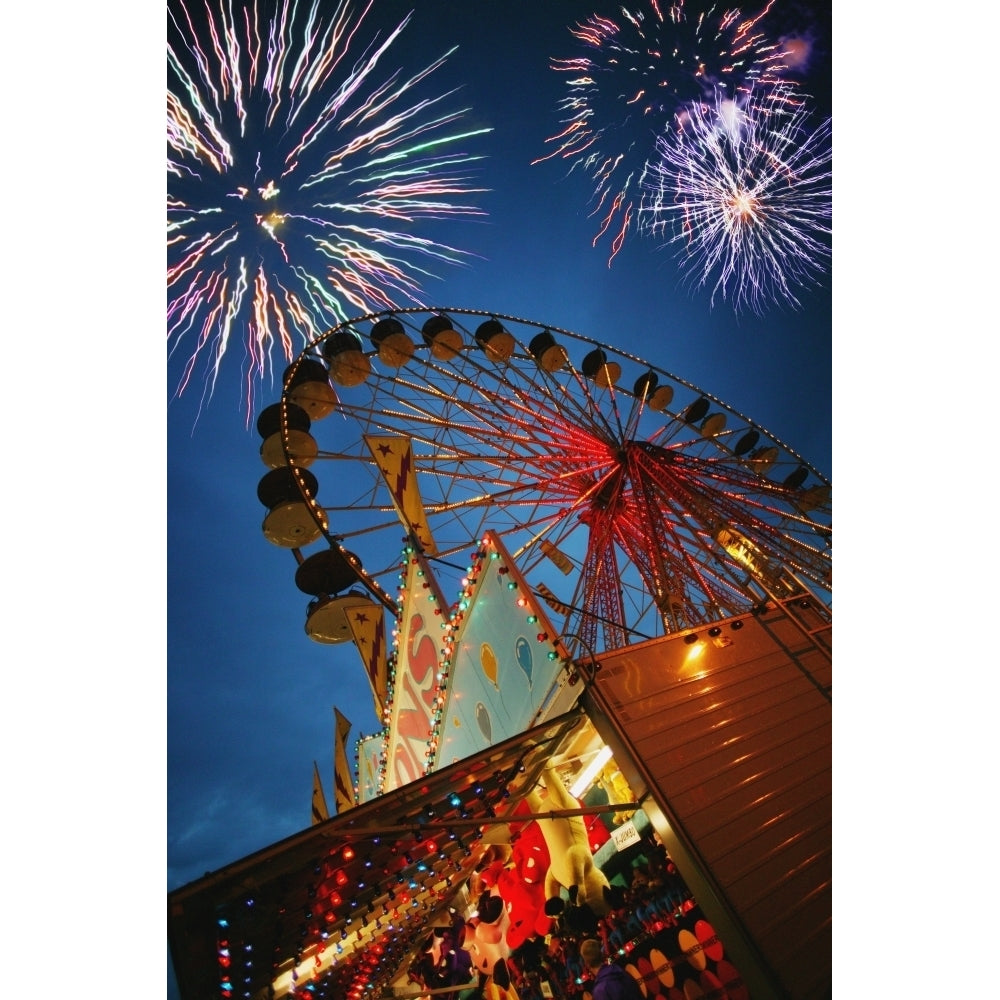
column 633, row 502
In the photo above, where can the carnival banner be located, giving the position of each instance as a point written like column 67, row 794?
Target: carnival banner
column 505, row 660
column 319, row 810
column 370, row 750
column 414, row 684
column 367, row 623
column 343, row 782
column 394, row 457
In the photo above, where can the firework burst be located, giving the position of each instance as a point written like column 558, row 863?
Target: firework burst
column 638, row 73
column 746, row 191
column 299, row 175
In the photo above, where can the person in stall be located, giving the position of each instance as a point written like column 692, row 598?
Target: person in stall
column 611, row 982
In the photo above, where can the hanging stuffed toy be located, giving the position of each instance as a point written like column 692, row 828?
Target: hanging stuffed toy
column 485, row 939
column 522, row 883
column 571, row 863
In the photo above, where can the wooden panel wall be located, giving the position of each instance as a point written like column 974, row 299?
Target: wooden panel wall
column 733, row 733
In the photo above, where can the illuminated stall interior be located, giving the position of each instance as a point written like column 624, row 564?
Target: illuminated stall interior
column 354, row 906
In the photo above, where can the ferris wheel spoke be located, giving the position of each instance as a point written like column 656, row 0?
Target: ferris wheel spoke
column 431, row 430
column 765, row 527
column 495, row 480
column 581, row 408
column 667, row 502
column 519, row 385
column 693, row 589
column 537, row 394
column 734, row 501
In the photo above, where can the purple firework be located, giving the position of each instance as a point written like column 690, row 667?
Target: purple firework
column 745, row 190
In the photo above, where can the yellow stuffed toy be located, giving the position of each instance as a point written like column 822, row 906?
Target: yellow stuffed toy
column 571, row 864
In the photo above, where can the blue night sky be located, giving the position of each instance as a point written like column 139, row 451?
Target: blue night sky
column 191, row 701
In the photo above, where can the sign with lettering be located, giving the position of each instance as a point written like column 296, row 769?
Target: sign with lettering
column 625, row 835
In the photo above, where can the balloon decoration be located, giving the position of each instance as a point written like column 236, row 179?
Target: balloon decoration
column 488, row 659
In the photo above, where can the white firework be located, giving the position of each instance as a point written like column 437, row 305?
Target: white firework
column 746, row 190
